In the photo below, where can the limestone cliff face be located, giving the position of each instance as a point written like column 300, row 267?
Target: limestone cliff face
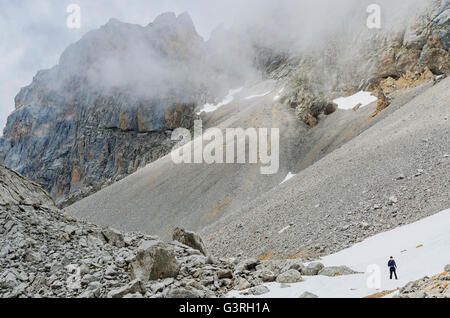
column 366, row 59
column 108, row 107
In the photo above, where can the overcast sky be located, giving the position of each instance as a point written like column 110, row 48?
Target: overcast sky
column 33, row 33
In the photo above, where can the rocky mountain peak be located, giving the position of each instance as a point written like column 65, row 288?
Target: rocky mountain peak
column 164, row 19
column 171, row 20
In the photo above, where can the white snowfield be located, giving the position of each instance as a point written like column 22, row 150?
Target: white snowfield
column 209, row 108
column 363, row 98
column 420, row 249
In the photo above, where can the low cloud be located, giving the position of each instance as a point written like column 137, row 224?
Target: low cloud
column 34, row 34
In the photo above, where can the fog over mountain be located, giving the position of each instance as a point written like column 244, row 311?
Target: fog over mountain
column 131, row 73
column 34, row 35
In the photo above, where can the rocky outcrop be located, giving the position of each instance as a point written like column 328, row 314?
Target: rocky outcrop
column 380, row 62
column 414, row 56
column 437, row 286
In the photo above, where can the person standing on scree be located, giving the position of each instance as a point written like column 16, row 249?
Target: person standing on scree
column 392, row 267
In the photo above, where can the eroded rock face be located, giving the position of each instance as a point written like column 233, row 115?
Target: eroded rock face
column 190, row 239
column 108, row 107
column 289, row 277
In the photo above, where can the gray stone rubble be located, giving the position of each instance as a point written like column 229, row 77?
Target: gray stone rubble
column 45, row 253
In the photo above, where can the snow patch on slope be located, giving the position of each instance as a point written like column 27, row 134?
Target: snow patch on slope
column 362, row 98
column 288, row 177
column 420, row 249
column 208, row 108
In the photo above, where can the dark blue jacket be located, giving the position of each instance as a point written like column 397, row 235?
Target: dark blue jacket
column 392, row 264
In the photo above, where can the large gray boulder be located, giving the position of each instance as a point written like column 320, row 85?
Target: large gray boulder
column 154, row 260
column 333, row 271
column 312, row 269
column 290, row 276
column 190, row 239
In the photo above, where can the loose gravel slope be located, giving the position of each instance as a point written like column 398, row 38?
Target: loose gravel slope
column 396, row 172
column 162, row 196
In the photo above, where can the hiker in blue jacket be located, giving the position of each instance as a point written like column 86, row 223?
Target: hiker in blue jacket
column 392, row 267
